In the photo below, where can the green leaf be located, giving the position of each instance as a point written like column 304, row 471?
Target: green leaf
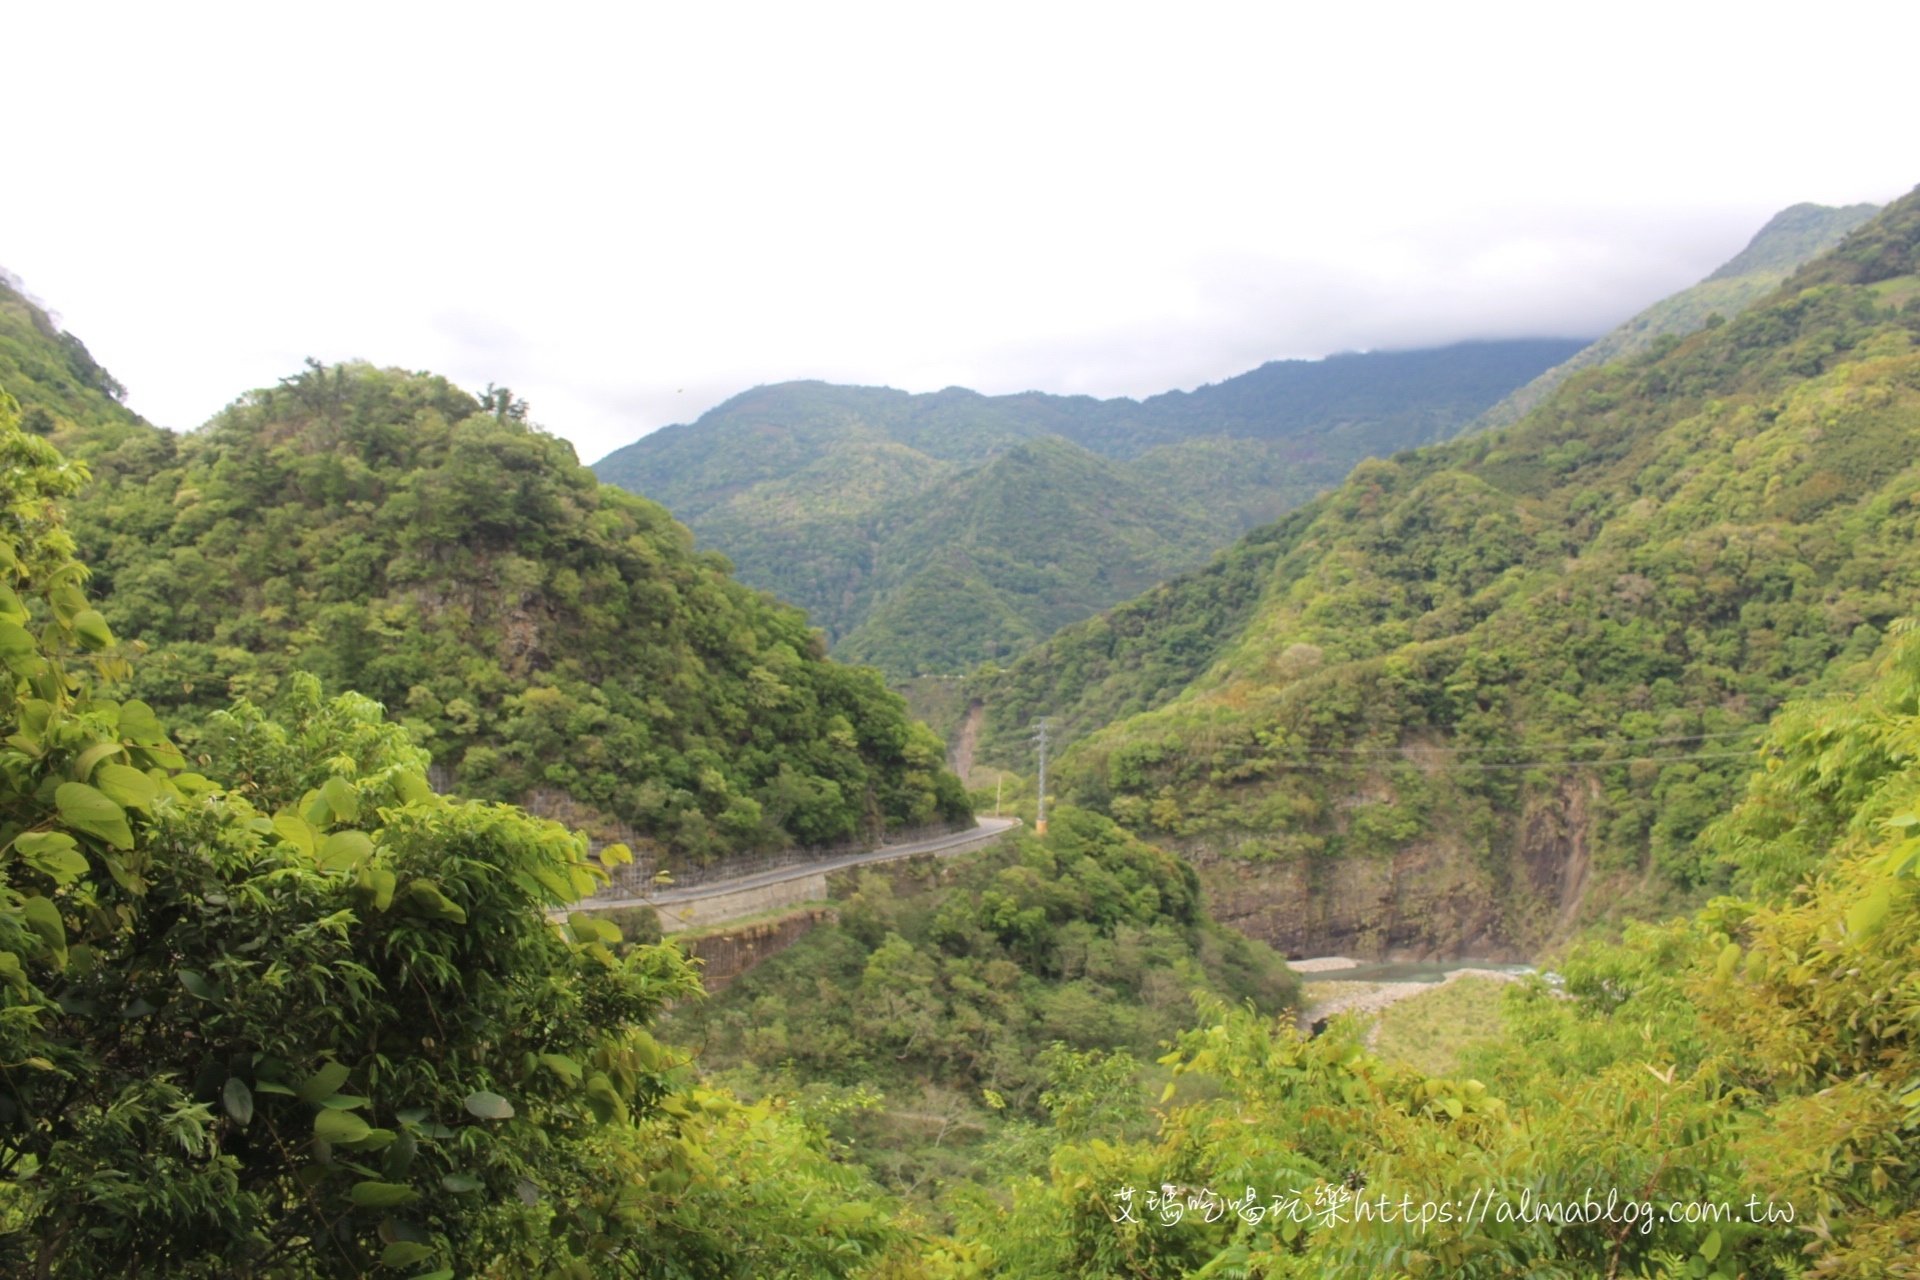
column 561, row 1065
column 605, row 1100
column 44, row 919
column 1711, row 1249
column 313, row 807
column 374, row 887
column 445, row 1273
column 139, row 724
column 489, row 1106
column 20, row 651
column 68, row 602
column 274, row 1087
column 342, row 797
column 325, row 1082
column 461, row 1183
column 91, row 629
column 588, row 928
column 296, row 831
column 413, row 788
column 345, row 850
column 404, row 1253
column 580, row 874
column 560, row 886
column 1729, row 960
column 1867, row 914
column 616, row 855
column 343, row 1101
column 340, row 1127
column 53, row 853
column 93, row 755
column 238, row 1100
column 425, row 899
column 197, row 986
column 126, row 785
column 381, row 1195
column 121, row 876
column 85, row 809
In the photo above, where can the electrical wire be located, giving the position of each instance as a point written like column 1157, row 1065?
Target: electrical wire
column 1550, row 746
column 1548, row 764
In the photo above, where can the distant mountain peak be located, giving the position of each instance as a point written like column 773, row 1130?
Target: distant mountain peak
column 1054, row 506
column 1792, row 236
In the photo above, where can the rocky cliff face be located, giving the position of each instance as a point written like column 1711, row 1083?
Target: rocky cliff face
column 1441, row 898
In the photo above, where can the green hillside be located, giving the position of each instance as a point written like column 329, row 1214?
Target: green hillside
column 1391, row 707
column 1791, row 237
column 535, row 630
column 889, row 518
column 1045, row 534
column 50, row 372
column 1728, row 1094
column 983, row 978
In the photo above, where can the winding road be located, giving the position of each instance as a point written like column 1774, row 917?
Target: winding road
column 985, row 832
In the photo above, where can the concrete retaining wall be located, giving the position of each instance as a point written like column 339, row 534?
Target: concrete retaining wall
column 726, row 954
column 701, row 912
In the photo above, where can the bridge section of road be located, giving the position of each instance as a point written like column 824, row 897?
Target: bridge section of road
column 717, row 901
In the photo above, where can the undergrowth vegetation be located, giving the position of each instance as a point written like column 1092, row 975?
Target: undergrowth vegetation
column 950, row 994
column 298, row 1015
column 535, row 630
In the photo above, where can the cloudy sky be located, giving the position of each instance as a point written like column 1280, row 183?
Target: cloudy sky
column 629, row 212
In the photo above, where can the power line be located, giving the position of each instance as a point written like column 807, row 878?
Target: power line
column 1541, row 746
column 1549, row 764
column 1041, row 726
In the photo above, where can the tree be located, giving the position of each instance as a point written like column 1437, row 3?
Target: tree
column 305, row 1017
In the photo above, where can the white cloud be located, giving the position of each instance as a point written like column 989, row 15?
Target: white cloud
column 628, row 213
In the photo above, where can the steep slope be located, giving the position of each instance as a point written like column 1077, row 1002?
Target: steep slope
column 1005, row 555
column 535, row 629
column 1408, row 692
column 1791, row 237
column 52, row 375
column 825, row 494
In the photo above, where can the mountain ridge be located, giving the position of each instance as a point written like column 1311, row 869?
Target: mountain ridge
column 1790, row 238
column 803, row 486
column 534, row 629
column 1334, row 717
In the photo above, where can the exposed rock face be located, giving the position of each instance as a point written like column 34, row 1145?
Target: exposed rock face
column 1436, row 899
column 726, row 954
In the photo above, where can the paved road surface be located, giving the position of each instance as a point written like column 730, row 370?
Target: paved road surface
column 984, row 831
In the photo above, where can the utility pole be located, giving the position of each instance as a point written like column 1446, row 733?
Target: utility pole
column 1040, row 727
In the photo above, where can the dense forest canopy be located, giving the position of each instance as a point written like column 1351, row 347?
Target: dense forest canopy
column 272, row 1007
column 965, row 990
column 536, row 630
column 1436, row 652
column 300, row 1016
column 926, row 533
column 1733, row 1093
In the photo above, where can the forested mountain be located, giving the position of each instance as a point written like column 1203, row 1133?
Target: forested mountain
column 536, row 630
column 926, row 533
column 1724, row 1095
column 1382, row 721
column 50, row 372
column 1791, row 237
